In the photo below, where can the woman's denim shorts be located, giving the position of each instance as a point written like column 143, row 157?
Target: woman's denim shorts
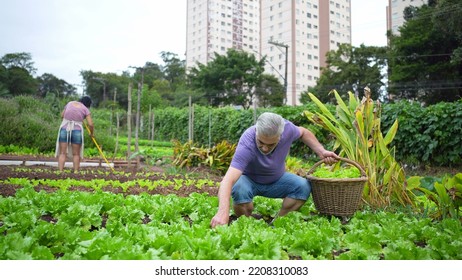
column 75, row 137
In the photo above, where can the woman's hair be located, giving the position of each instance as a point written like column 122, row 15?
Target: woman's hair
column 270, row 124
column 86, row 100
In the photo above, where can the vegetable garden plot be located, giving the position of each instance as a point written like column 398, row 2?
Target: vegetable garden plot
column 93, row 179
column 66, row 223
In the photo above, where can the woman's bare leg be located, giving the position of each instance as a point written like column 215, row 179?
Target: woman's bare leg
column 76, row 156
column 62, row 155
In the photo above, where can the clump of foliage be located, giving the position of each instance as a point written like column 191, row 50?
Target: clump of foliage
column 189, row 155
column 28, row 123
column 358, row 136
column 427, row 134
column 442, row 198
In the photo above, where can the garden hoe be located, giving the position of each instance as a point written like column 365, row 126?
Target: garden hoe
column 97, row 146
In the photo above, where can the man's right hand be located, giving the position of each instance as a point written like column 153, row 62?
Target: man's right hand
column 219, row 219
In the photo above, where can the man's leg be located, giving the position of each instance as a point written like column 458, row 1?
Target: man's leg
column 242, row 194
column 294, row 190
column 290, row 204
column 243, row 209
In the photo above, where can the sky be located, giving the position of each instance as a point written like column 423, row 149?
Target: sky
column 65, row 37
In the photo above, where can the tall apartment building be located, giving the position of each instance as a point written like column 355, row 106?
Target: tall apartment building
column 296, row 33
column 395, row 9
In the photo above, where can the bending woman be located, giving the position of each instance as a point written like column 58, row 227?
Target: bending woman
column 70, row 140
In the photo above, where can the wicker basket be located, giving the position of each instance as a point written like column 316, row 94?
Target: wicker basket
column 334, row 196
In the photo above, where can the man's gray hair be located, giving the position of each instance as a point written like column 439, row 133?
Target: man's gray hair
column 270, row 124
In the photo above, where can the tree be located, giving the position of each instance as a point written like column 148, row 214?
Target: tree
column 19, row 60
column 423, row 58
column 173, row 69
column 3, row 81
column 49, row 83
column 158, row 79
column 350, row 69
column 95, row 86
column 20, row 82
column 148, row 97
column 152, row 73
column 270, row 92
column 229, row 79
column 448, row 20
column 181, row 97
column 16, row 74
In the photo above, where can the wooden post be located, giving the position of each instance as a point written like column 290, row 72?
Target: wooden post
column 129, row 124
column 153, row 126
column 117, row 136
column 149, row 122
column 138, row 112
column 190, row 122
column 112, row 112
column 210, row 128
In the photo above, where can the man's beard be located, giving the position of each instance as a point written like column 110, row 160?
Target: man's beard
column 265, row 154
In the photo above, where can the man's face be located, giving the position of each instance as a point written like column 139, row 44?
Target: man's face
column 266, row 144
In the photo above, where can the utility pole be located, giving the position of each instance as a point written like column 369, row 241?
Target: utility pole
column 285, row 73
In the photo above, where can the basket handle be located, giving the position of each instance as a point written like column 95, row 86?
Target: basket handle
column 354, row 163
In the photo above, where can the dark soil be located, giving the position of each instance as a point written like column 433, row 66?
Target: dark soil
column 122, row 173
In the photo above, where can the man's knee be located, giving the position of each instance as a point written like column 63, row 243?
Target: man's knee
column 242, row 191
column 302, row 190
column 241, row 195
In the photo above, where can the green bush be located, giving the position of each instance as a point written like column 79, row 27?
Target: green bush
column 213, row 125
column 9, row 110
column 27, row 123
column 426, row 135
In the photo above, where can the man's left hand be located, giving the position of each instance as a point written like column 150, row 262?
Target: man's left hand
column 329, row 157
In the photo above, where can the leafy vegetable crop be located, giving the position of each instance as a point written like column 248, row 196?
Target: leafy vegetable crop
column 72, row 225
column 325, row 172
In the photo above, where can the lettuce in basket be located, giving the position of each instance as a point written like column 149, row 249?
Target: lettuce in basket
column 325, row 172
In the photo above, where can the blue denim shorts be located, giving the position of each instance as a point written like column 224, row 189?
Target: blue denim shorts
column 289, row 185
column 75, row 137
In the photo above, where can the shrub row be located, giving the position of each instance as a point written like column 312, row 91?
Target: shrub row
column 430, row 134
column 426, row 135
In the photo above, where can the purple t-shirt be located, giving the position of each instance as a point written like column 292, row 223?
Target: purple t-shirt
column 264, row 169
column 75, row 111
